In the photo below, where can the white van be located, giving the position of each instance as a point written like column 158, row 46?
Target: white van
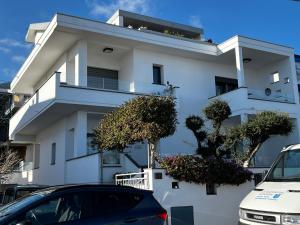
column 276, row 200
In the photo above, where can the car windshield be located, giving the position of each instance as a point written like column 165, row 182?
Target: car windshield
column 18, row 204
column 286, row 168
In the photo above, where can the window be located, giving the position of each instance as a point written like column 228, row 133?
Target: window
column 93, row 120
column 36, row 156
column 70, row 144
column 111, row 158
column 53, row 153
column 224, row 85
column 102, row 78
column 287, row 167
column 108, row 203
column 91, row 145
column 63, row 209
column 275, row 77
column 211, row 189
column 157, row 74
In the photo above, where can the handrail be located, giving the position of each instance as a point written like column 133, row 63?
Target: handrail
column 136, row 180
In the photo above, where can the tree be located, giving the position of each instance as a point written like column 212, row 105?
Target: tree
column 9, row 160
column 149, row 118
column 260, row 128
column 223, row 142
column 210, row 144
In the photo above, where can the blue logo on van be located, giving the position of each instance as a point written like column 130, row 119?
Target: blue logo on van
column 276, row 196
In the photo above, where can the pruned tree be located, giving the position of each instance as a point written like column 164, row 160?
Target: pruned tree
column 260, row 128
column 9, row 161
column 196, row 124
column 252, row 134
column 149, row 118
column 210, row 143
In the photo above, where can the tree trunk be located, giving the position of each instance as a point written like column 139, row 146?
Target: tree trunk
column 251, row 154
column 152, row 154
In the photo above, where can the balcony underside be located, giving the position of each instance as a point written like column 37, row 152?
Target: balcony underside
column 67, row 100
column 54, row 113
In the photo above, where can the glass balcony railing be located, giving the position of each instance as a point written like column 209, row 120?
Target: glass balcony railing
column 102, row 83
column 24, row 166
column 270, row 95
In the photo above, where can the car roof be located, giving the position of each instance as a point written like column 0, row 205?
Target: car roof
column 65, row 187
column 30, row 186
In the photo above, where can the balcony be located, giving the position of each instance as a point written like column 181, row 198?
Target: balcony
column 250, row 101
column 56, row 99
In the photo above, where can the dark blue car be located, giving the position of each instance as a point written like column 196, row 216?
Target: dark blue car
column 85, row 204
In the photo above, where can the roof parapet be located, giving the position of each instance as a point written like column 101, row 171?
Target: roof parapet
column 146, row 23
column 33, row 29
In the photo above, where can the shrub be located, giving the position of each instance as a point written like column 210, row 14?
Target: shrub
column 197, row 170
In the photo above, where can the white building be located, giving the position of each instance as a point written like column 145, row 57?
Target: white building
column 80, row 69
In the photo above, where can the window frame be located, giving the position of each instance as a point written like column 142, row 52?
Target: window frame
column 53, row 154
column 161, row 76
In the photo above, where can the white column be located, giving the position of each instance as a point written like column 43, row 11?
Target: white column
column 81, row 63
column 294, row 78
column 80, row 145
column 240, row 66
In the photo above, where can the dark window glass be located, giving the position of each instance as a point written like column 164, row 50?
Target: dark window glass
column 157, row 75
column 211, row 189
column 21, row 193
column 102, row 78
column 8, row 196
column 107, row 203
column 53, row 153
column 287, row 168
column 224, row 85
column 62, row 209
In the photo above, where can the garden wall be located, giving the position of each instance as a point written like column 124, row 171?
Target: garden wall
column 191, row 200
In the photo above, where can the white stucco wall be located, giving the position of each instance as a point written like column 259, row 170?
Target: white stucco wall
column 220, row 209
column 52, row 174
column 196, row 82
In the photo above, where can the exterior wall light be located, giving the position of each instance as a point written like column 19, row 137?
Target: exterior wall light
column 108, row 50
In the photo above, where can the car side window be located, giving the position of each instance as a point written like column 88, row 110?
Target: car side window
column 107, row 203
column 65, row 208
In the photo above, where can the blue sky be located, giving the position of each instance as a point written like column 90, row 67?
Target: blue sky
column 276, row 21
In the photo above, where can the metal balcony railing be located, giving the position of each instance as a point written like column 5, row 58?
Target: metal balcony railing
column 136, row 180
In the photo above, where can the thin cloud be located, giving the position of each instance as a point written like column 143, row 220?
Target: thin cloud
column 8, row 73
column 195, row 21
column 4, row 49
column 18, row 58
column 102, row 9
column 8, row 42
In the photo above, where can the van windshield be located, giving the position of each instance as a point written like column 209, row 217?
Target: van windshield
column 287, row 167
